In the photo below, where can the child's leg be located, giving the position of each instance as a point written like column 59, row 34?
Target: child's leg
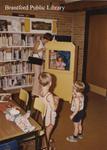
column 80, row 128
column 48, row 134
column 74, row 137
column 76, row 129
column 49, row 131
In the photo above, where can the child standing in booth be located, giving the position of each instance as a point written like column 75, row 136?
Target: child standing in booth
column 51, row 102
column 77, row 108
column 39, row 52
column 60, row 63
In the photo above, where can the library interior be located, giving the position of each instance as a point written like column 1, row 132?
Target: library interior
column 53, row 92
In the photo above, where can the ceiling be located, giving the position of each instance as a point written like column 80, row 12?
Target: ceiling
column 84, row 5
column 70, row 1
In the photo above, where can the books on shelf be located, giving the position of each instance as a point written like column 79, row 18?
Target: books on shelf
column 16, row 25
column 15, row 81
column 16, row 42
column 30, row 40
column 1, row 55
column 15, row 68
column 15, row 54
column 4, row 41
column 3, row 25
column 10, row 40
column 8, row 56
column 27, row 24
column 16, row 39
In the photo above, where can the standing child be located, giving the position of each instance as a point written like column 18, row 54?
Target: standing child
column 39, row 52
column 77, row 108
column 51, row 102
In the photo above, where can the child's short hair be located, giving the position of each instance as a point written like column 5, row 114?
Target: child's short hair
column 45, row 78
column 48, row 36
column 79, row 85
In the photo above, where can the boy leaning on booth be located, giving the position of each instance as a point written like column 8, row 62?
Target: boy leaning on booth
column 78, row 112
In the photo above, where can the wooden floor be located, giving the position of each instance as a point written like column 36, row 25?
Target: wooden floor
column 95, row 126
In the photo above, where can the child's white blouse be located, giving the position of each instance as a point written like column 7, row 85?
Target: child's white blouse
column 39, row 54
column 78, row 97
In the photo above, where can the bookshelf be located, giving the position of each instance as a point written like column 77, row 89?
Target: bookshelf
column 15, row 72
column 16, row 42
column 15, row 47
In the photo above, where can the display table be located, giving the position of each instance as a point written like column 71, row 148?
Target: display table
column 10, row 131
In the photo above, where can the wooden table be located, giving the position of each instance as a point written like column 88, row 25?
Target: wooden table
column 10, row 131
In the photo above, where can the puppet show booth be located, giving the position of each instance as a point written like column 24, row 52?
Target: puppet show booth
column 60, row 63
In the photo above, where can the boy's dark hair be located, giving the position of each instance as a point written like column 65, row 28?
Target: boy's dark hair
column 48, row 36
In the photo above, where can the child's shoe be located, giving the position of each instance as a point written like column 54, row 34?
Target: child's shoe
column 72, row 139
column 80, row 136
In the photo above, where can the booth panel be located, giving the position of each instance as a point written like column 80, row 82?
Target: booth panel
column 60, row 60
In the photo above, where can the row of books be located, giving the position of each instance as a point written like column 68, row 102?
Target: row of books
column 14, row 24
column 13, row 81
column 14, row 68
column 15, row 54
column 16, row 40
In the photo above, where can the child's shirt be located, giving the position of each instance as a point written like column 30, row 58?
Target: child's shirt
column 78, row 97
column 50, row 116
column 39, row 54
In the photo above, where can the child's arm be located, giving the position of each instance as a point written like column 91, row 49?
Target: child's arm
column 76, row 109
column 56, row 101
column 50, row 100
column 36, row 45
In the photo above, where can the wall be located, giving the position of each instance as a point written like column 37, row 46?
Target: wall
column 78, row 31
column 64, row 20
column 96, row 71
column 67, row 23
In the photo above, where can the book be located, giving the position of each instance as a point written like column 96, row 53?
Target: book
column 3, row 25
column 16, row 39
column 16, row 25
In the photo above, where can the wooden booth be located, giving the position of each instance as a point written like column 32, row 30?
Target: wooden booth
column 60, row 63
